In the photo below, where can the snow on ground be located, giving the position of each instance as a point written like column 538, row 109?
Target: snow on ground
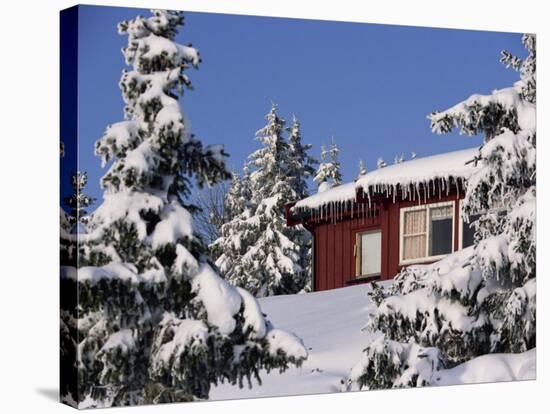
column 330, row 325
column 492, row 368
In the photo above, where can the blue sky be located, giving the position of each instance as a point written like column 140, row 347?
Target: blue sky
column 370, row 86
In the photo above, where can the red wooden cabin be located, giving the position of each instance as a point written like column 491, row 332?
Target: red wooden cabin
column 403, row 214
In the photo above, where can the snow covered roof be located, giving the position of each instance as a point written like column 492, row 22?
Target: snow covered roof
column 425, row 170
column 421, row 170
column 344, row 192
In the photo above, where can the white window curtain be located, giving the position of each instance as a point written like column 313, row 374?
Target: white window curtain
column 414, row 234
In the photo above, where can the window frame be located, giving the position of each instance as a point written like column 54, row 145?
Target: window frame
column 357, row 253
column 427, row 208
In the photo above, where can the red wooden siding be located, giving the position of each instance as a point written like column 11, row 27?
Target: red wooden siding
column 334, row 265
column 334, row 261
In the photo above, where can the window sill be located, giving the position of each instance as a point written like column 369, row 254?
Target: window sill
column 362, row 279
column 422, row 260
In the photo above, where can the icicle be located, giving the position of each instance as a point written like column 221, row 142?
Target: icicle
column 425, row 195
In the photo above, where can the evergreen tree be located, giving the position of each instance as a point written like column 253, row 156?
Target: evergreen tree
column 78, row 201
column 301, row 168
column 328, row 175
column 481, row 299
column 236, row 235
column 301, row 165
column 380, row 163
column 74, row 222
column 256, row 249
column 272, row 259
column 156, row 322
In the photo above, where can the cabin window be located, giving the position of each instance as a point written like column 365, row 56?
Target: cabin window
column 467, row 230
column 368, row 253
column 426, row 232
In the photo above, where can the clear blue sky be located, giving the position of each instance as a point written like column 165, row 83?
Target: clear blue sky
column 370, row 86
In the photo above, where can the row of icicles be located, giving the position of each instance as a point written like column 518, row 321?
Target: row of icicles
column 333, row 211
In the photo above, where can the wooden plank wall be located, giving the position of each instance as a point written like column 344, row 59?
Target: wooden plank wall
column 334, row 259
column 334, row 244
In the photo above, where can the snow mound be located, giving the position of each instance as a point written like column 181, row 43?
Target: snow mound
column 492, row 368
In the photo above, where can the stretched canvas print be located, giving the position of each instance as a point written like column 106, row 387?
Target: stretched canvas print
column 255, row 206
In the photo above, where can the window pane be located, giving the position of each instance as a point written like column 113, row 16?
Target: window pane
column 441, row 230
column 439, row 213
column 371, row 247
column 468, row 231
column 414, row 247
column 415, row 222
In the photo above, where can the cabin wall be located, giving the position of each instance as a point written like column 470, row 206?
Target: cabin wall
column 334, row 265
column 334, row 261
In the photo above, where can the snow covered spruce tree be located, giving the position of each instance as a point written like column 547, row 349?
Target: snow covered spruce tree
column 271, row 263
column 156, row 323
column 74, row 221
column 257, row 250
column 482, row 299
column 78, row 201
column 301, row 165
column 328, row 175
column 301, row 168
column 72, row 224
column 235, row 235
